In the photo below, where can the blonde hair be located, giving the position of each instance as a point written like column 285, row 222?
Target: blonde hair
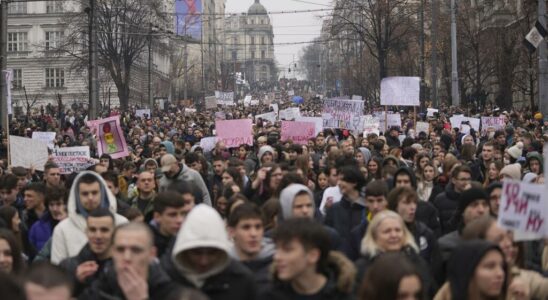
column 370, row 247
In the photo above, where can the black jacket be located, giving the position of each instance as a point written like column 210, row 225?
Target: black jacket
column 429, row 249
column 161, row 242
column 71, row 264
column 446, row 203
column 351, row 247
column 235, row 282
column 160, row 287
column 344, row 215
column 340, row 282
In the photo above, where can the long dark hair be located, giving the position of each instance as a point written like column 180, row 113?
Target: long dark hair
column 379, row 284
column 18, row 263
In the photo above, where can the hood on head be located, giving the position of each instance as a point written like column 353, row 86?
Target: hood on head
column 169, row 147
column 366, row 154
column 535, row 155
column 287, row 196
column 393, row 158
column 409, row 172
column 263, row 150
column 512, row 170
column 203, row 228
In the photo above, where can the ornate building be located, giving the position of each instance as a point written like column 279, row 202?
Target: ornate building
column 249, row 47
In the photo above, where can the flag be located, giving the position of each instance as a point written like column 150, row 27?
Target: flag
column 535, row 37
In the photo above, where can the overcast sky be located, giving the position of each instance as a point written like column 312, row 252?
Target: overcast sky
column 290, row 27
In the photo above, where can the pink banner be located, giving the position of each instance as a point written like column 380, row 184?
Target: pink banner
column 298, row 132
column 234, row 133
column 110, row 137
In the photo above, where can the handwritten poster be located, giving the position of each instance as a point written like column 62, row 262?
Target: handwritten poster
column 270, row 117
column 370, row 125
column 225, row 98
column 290, row 113
column 110, row 137
column 211, row 102
column 298, row 132
column 400, row 91
column 318, row 123
column 524, row 209
column 345, row 114
column 72, row 159
column 27, row 153
column 423, row 127
column 142, row 112
column 234, row 133
column 208, row 143
column 46, row 137
column 496, row 122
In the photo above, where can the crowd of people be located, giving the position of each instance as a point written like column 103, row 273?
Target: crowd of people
column 393, row 216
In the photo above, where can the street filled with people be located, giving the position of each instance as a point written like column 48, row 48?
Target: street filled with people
column 392, row 214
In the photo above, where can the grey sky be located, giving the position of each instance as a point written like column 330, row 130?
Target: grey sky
column 288, row 28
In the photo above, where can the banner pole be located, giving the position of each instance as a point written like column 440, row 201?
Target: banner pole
column 385, row 119
column 415, row 118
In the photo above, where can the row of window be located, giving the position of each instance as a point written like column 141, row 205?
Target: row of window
column 55, row 78
column 263, row 40
column 18, row 41
column 21, row 7
column 253, row 56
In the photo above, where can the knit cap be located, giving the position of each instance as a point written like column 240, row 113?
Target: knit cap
column 469, row 196
column 516, row 151
column 513, row 171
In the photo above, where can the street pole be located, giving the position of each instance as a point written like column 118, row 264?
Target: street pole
column 543, row 64
column 3, row 63
column 150, row 98
column 423, row 71
column 434, row 42
column 454, row 73
column 93, row 73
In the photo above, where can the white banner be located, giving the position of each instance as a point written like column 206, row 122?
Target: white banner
column 344, row 114
column 318, row 123
column 208, row 143
column 72, row 159
column 400, row 91
column 225, row 98
column 290, row 114
column 142, row 112
column 423, row 127
column 370, row 125
column 270, row 117
column 46, row 137
column 28, row 153
column 211, row 102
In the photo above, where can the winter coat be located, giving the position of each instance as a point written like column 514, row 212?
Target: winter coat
column 538, row 285
column 446, row 203
column 340, row 275
column 344, row 215
column 40, row 232
column 161, row 242
column 71, row 264
column 260, row 266
column 429, row 249
column 190, row 176
column 228, row 279
column 160, row 286
column 351, row 246
column 69, row 236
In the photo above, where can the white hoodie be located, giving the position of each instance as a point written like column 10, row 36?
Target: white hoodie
column 203, row 228
column 69, row 236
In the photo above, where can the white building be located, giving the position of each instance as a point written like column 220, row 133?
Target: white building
column 35, row 29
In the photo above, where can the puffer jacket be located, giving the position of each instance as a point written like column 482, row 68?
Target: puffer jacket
column 446, row 203
column 339, row 286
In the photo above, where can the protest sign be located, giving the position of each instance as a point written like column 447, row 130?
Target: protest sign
column 247, row 100
column 291, row 93
column 46, row 137
column 423, row 127
column 356, row 97
column 210, row 102
column 345, row 114
column 233, row 133
column 431, row 111
column 370, row 125
column 318, row 123
column 524, row 209
column 275, row 107
column 110, row 137
column 400, row 91
column 142, row 112
column 190, row 111
column 298, row 132
column 220, row 115
column 254, row 102
column 393, row 120
column 225, row 98
column 208, row 143
column 270, row 117
column 72, row 159
column 28, row 153
column 457, row 120
column 496, row 122
column 290, row 113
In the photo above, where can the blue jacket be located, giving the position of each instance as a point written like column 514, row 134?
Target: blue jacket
column 41, row 231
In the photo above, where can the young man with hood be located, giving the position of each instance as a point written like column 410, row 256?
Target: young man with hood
column 447, row 202
column 200, row 258
column 89, row 192
column 426, row 212
column 305, row 268
column 251, row 248
column 174, row 170
column 297, row 201
column 134, row 272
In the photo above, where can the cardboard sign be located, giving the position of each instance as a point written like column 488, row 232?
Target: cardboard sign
column 225, row 98
column 208, row 143
column 318, row 123
column 27, row 153
column 72, row 159
column 275, row 107
column 290, row 113
column 524, row 209
column 110, row 137
column 220, row 115
column 298, row 132
column 235, row 132
column 345, row 114
column 400, row 91
column 46, row 137
column 393, row 120
column 247, row 100
column 370, row 125
column 431, row 111
column 142, row 112
column 423, row 127
column 211, row 102
column 495, row 122
column 456, row 122
column 270, row 117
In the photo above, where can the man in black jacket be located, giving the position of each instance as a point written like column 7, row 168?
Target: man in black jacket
column 133, row 272
column 170, row 210
column 447, row 202
column 87, row 265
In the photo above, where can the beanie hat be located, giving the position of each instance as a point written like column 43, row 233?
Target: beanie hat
column 469, row 196
column 263, row 150
column 513, row 171
column 516, row 151
column 538, row 116
column 535, row 155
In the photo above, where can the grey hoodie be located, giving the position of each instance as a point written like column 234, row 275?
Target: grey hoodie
column 287, row 196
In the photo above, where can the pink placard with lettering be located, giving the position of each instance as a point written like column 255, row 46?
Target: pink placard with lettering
column 234, row 133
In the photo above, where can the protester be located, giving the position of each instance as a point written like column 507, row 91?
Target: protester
column 45, row 281
column 41, row 231
column 11, row 258
column 170, row 210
